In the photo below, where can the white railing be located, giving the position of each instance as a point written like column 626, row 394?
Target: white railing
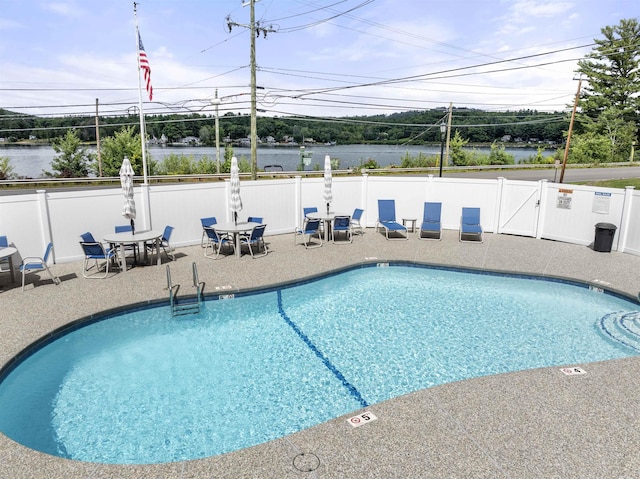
column 537, row 209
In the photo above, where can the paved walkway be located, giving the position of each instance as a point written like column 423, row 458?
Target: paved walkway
column 531, row 424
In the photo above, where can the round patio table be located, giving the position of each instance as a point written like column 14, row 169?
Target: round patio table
column 127, row 237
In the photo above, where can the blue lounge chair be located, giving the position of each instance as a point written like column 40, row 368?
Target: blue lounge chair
column 93, row 250
column 431, row 227
column 342, row 225
column 311, row 228
column 256, row 238
column 216, row 242
column 355, row 221
column 470, row 224
column 34, row 264
column 387, row 219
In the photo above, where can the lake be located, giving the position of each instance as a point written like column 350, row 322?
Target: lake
column 30, row 161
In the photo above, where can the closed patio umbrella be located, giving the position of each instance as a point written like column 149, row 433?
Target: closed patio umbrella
column 126, row 181
column 236, row 201
column 327, row 195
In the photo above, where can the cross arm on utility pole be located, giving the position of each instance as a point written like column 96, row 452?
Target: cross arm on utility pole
column 256, row 30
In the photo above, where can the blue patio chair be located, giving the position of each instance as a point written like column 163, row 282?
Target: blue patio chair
column 387, row 219
column 93, row 250
column 133, row 247
column 216, row 242
column 355, row 221
column 251, row 219
column 209, row 221
column 164, row 243
column 431, row 227
column 256, row 238
column 342, row 225
column 310, row 228
column 311, row 209
column 33, row 264
column 470, row 224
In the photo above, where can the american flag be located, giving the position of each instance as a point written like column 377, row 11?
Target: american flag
column 144, row 66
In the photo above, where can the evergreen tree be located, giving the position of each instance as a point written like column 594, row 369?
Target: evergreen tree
column 612, row 71
column 73, row 159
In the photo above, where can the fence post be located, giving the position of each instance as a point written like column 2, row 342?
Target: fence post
column 364, row 197
column 297, row 201
column 542, row 193
column 499, row 204
column 45, row 220
column 625, row 218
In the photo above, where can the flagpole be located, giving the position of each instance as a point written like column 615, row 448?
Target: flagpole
column 143, row 133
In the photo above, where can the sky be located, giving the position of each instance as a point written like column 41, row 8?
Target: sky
column 320, row 58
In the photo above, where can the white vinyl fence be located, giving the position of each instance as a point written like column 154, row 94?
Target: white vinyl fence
column 540, row 209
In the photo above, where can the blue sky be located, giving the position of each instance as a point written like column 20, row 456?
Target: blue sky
column 323, row 58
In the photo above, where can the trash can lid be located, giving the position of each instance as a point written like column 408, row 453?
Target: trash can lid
column 606, row 226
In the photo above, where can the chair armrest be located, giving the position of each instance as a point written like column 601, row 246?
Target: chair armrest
column 32, row 259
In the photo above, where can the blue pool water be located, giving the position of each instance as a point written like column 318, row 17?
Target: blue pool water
column 143, row 387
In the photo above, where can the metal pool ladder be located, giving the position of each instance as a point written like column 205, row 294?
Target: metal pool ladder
column 188, row 305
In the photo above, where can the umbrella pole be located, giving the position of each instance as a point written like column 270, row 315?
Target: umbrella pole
column 133, row 226
column 235, row 217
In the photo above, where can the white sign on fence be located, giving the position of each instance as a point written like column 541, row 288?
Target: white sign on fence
column 564, row 199
column 601, row 202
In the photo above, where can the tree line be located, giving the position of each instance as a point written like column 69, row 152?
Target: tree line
column 411, row 127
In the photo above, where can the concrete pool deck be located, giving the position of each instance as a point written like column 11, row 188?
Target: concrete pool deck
column 528, row 424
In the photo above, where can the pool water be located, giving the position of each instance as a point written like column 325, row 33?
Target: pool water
column 144, row 387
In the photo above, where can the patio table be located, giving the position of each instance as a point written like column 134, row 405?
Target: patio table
column 8, row 252
column 327, row 218
column 235, row 229
column 127, row 237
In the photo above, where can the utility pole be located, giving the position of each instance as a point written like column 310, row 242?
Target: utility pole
column 98, row 141
column 255, row 30
column 254, row 120
column 573, row 116
column 449, row 131
column 216, row 102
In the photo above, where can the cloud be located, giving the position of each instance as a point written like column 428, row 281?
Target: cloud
column 523, row 11
column 64, row 9
column 10, row 24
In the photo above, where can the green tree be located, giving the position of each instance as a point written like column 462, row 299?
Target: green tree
column 72, row 160
column 114, row 148
column 498, row 155
column 457, row 154
column 612, row 71
column 6, row 170
column 589, row 148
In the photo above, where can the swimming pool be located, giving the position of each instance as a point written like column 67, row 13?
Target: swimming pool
column 144, row 387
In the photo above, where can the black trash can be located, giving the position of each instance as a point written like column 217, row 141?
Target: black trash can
column 604, row 237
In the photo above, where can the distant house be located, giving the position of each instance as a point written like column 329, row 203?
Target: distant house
column 33, row 137
column 191, row 140
column 505, row 138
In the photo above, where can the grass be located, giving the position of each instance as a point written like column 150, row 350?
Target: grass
column 618, row 183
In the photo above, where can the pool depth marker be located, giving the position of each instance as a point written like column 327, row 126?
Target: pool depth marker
column 350, row 387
